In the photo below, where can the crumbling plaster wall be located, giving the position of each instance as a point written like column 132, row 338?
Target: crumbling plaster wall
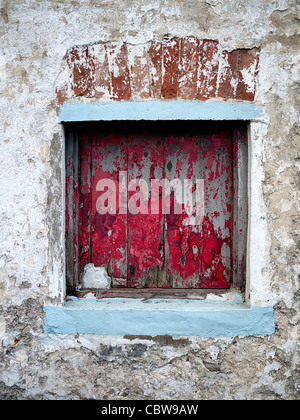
column 35, row 36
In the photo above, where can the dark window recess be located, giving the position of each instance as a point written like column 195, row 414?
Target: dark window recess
column 157, row 251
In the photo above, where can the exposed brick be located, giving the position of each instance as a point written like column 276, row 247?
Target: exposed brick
column 228, row 74
column 78, row 58
column 139, row 70
column 120, row 76
column 171, row 68
column 189, row 67
column 209, row 67
column 155, row 69
column 174, row 68
column 65, row 80
column 101, row 77
column 248, row 68
column 62, row 94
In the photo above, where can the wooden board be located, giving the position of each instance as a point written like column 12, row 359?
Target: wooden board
column 145, row 230
column 142, row 240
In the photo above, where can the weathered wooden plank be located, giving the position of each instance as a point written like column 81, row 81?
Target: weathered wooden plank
column 200, row 256
column 150, row 293
column 85, row 147
column 69, row 210
column 145, row 230
column 182, row 241
column 76, row 209
column 109, row 236
column 240, row 207
column 216, row 238
column 151, row 250
column 72, row 210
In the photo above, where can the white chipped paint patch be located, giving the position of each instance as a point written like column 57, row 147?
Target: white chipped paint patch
column 248, row 75
column 2, row 67
column 95, row 278
column 2, row 328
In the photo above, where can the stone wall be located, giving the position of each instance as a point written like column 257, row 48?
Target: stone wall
column 35, row 39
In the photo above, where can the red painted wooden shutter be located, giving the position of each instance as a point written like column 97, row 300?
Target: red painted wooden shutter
column 157, row 250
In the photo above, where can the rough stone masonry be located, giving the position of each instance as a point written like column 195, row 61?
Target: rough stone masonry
column 45, row 59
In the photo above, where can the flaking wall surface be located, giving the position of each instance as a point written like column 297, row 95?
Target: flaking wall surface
column 36, row 36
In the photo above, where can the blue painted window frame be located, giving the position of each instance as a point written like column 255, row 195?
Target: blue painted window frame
column 204, row 318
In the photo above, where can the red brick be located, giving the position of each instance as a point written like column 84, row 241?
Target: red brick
column 228, row 77
column 61, row 94
column 189, row 67
column 155, row 69
column 120, row 75
column 248, row 68
column 101, row 77
column 65, row 80
column 139, row 70
column 78, row 59
column 170, row 68
column 209, row 67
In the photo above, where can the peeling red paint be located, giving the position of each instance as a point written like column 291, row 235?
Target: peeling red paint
column 158, row 250
column 145, row 231
column 67, row 207
column 190, row 251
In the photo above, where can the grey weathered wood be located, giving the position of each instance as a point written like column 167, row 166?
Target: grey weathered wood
column 240, row 207
column 155, row 293
column 72, row 207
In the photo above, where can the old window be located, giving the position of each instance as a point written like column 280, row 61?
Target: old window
column 159, row 206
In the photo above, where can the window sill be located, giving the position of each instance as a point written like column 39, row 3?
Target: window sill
column 155, row 317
